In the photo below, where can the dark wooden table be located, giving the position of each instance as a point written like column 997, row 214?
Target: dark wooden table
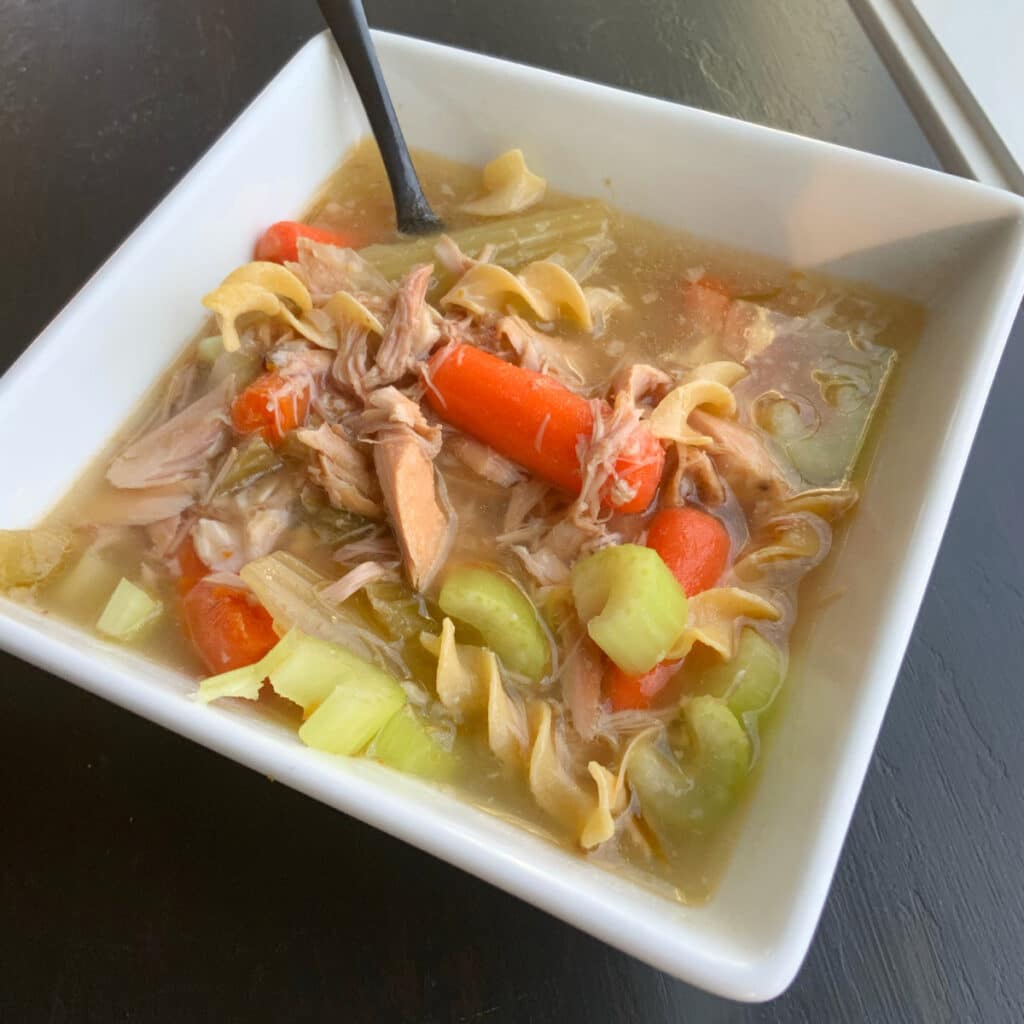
column 143, row 878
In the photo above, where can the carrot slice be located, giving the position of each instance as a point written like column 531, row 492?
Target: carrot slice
column 626, row 691
column 693, row 544
column 271, row 406
column 532, row 419
column 280, row 242
column 226, row 626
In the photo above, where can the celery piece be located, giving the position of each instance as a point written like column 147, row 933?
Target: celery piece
column 503, row 615
column 306, row 670
column 558, row 607
column 405, row 744
column 749, row 681
column 679, row 797
column 89, row 582
column 332, row 525
column 208, row 349
column 255, row 459
column 516, row 240
column 356, row 710
column 245, row 367
column 815, row 391
column 238, row 682
column 399, row 609
column 29, row 556
column 289, row 589
column 633, row 607
column 128, row 610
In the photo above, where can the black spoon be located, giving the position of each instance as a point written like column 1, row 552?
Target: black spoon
column 347, row 22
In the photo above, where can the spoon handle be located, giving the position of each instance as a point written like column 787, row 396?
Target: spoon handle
column 347, row 22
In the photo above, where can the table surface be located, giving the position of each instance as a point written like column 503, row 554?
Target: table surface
column 143, row 878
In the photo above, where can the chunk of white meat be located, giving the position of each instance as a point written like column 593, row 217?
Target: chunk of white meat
column 220, row 546
column 404, row 447
column 179, row 449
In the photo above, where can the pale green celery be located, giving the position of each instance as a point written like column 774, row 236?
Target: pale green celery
column 633, row 607
column 405, row 744
column 356, row 710
column 306, row 670
column 29, row 556
column 748, row 682
column 244, row 366
column 128, row 610
column 90, row 581
column 288, row 589
column 816, row 391
column 255, row 458
column 502, row 614
column 239, row 682
column 558, row 607
column 332, row 525
column 208, row 349
column 516, row 240
column 399, row 609
column 682, row 795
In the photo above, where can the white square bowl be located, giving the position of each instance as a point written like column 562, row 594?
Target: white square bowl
column 955, row 246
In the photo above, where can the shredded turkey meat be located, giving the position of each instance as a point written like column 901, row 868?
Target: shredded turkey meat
column 538, row 351
column 582, row 672
column 343, row 470
column 639, row 381
column 355, row 579
column 744, row 460
column 484, row 461
column 179, row 449
column 326, row 269
column 411, row 332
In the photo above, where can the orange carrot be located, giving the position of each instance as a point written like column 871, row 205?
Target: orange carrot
column 191, row 568
column 226, row 626
column 271, row 405
column 532, row 419
column 625, row 691
column 280, row 241
column 693, row 544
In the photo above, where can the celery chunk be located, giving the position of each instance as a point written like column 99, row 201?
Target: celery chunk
column 128, row 610
column 405, row 744
column 208, row 349
column 502, row 614
column 356, row 710
column 514, row 240
column 633, row 607
column 748, row 682
column 682, row 796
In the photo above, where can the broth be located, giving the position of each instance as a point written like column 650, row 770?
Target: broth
column 661, row 277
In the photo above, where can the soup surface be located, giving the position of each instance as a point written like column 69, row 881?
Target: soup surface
column 524, row 510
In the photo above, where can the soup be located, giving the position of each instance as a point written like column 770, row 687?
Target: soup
column 522, row 510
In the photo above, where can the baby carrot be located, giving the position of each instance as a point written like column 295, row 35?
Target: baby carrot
column 532, row 419
column 280, row 242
